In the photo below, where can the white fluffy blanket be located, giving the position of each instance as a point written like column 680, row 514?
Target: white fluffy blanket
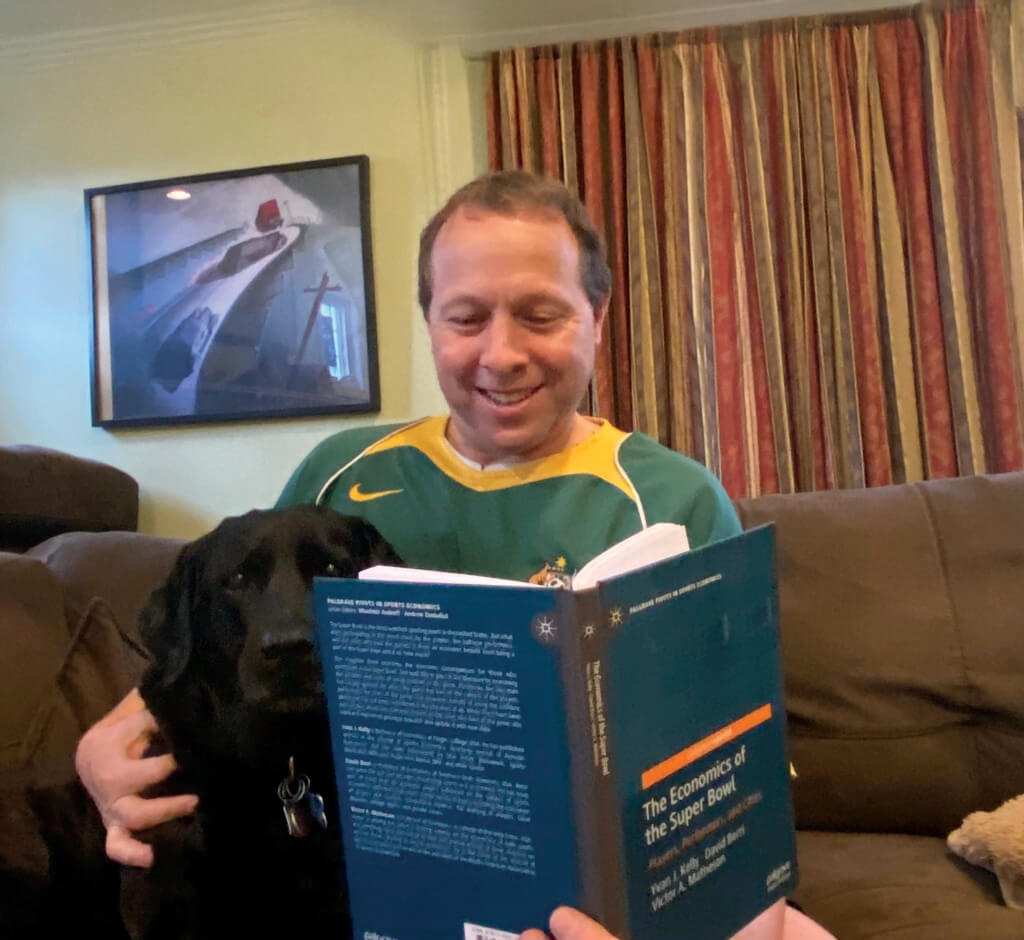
column 995, row 841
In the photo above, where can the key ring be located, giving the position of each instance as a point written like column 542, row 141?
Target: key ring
column 292, row 788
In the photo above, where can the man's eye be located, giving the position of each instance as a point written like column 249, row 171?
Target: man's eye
column 468, row 321
column 542, row 316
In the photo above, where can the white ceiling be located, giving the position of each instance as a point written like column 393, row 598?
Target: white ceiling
column 477, row 24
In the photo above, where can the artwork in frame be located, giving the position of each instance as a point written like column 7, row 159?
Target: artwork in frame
column 236, row 295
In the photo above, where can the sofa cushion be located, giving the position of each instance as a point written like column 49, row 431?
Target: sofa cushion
column 44, row 492
column 862, row 886
column 979, row 524
column 900, row 613
column 33, row 637
column 121, row 567
column 101, row 664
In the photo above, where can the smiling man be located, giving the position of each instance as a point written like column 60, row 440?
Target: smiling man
column 513, row 482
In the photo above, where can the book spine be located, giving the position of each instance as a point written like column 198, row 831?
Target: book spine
column 596, row 807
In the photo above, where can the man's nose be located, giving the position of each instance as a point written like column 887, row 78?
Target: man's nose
column 503, row 343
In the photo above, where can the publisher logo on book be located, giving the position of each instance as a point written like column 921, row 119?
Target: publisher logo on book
column 545, row 628
column 779, row 875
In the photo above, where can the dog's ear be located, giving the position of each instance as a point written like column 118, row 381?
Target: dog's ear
column 372, row 545
column 165, row 623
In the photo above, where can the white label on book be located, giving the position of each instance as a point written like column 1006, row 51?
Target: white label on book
column 476, row 932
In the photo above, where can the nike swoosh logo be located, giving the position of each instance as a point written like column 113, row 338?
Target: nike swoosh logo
column 358, row 496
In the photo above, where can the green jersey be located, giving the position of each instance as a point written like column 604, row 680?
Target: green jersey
column 519, row 520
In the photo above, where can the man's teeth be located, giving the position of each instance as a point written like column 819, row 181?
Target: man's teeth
column 508, row 398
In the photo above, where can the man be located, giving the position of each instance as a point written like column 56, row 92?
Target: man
column 514, row 482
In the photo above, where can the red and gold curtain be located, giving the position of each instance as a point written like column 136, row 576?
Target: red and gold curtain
column 817, row 237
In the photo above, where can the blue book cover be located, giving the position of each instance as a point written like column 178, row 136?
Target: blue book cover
column 504, row 749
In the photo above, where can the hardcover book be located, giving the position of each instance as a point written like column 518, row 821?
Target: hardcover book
column 616, row 744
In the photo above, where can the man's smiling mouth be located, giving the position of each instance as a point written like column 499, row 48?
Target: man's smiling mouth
column 507, row 398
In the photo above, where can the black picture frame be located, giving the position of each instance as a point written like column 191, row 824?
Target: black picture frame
column 238, row 295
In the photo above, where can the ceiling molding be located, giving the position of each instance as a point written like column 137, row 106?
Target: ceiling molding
column 155, row 35
column 417, row 20
column 714, row 14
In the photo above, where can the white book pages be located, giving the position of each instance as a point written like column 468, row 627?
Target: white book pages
column 658, row 541
column 661, row 540
column 429, row 576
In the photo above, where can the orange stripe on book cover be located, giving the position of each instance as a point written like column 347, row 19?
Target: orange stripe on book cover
column 704, row 746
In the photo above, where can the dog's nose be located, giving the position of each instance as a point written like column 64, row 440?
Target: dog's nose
column 286, row 645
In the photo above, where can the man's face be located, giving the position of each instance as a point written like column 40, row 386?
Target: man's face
column 512, row 332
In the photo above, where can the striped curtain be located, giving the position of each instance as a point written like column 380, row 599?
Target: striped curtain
column 816, row 231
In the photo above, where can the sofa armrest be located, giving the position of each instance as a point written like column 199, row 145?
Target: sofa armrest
column 122, row 568
column 45, row 492
column 68, row 629
column 33, row 637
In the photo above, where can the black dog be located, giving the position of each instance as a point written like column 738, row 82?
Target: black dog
column 235, row 685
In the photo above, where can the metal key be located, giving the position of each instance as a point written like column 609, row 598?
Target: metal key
column 301, row 806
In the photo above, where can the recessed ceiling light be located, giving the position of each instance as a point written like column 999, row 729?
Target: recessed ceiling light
column 179, row 194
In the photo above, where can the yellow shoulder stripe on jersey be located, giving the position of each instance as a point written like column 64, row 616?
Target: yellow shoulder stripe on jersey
column 596, row 455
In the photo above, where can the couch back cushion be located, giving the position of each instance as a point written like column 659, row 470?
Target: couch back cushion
column 902, row 612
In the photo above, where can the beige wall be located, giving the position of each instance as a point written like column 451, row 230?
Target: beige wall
column 135, row 106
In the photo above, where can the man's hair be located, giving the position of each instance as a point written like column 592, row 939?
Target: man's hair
column 516, row 192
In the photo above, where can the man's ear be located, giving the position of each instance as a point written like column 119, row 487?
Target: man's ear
column 165, row 623
column 600, row 319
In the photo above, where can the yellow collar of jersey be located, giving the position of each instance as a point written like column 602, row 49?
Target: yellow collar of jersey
column 596, row 455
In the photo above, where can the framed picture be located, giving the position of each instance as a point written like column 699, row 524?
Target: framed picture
column 238, row 295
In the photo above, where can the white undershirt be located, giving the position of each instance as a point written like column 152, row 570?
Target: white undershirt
column 497, row 465
column 501, row 464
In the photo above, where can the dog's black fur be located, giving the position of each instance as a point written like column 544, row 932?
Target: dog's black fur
column 236, row 688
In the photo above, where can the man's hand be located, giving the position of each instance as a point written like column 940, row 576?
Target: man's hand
column 779, row 922
column 109, row 762
column 569, row 924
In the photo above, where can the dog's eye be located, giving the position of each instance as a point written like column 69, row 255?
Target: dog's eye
column 236, row 580
column 330, row 569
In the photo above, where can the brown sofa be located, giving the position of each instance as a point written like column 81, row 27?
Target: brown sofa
column 73, row 576
column 902, row 613
column 903, row 641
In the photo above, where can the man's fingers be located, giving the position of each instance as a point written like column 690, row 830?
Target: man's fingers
column 766, row 926
column 136, row 725
column 134, row 812
column 100, row 748
column 569, row 924
column 133, row 776
column 132, row 702
column 121, row 847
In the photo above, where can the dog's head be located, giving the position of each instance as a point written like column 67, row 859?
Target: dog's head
column 232, row 627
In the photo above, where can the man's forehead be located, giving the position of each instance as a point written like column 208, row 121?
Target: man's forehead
column 543, row 233
column 472, row 212
column 472, row 263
